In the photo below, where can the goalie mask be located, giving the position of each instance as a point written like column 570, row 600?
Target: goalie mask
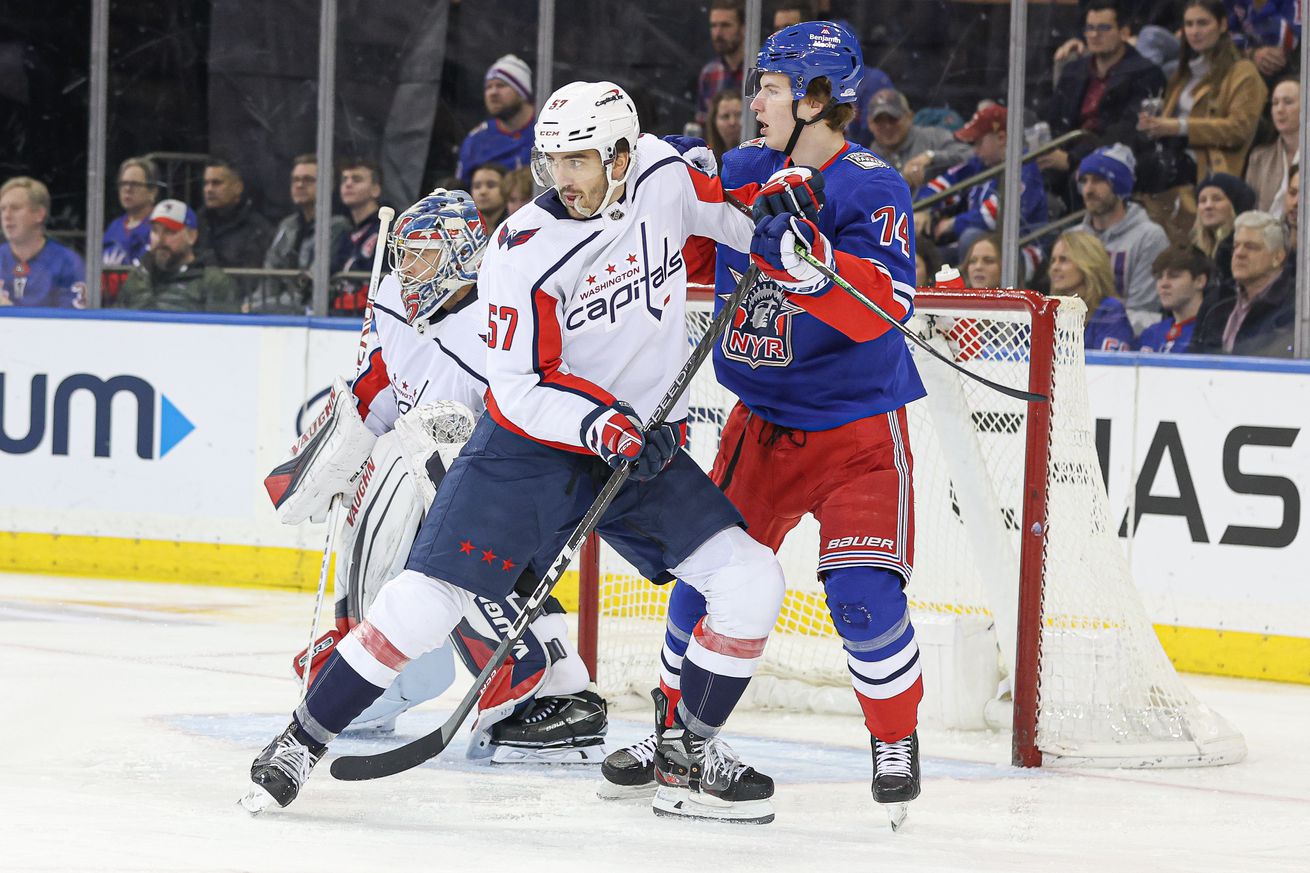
column 436, row 248
column 586, row 116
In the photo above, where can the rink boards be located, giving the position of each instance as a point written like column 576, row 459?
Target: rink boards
column 134, row 446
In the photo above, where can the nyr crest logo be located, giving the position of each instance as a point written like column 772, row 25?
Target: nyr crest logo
column 760, row 332
column 508, row 239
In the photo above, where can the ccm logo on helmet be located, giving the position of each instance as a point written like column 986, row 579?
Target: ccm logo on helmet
column 871, row 542
column 610, row 96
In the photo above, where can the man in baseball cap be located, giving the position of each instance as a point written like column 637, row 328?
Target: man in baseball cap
column 917, row 152
column 173, row 214
column 173, row 276
column 506, row 137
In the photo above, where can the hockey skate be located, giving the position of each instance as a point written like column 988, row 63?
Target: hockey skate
column 896, row 775
column 701, row 777
column 568, row 729
column 279, row 771
column 630, row 772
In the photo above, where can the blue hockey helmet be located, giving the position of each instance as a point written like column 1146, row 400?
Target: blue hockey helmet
column 436, row 248
column 808, row 51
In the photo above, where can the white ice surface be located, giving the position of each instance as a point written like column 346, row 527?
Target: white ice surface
column 132, row 712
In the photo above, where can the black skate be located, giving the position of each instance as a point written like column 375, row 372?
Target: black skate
column 568, row 729
column 896, row 775
column 630, row 772
column 280, row 770
column 701, row 777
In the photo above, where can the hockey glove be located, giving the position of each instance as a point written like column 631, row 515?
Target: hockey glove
column 614, row 433
column 794, row 191
column 773, row 250
column 661, row 445
column 695, row 152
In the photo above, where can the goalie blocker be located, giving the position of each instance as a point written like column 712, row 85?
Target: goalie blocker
column 538, row 708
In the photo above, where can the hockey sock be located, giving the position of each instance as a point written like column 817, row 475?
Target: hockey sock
column 715, row 674
column 871, row 615
column 686, row 609
column 338, row 695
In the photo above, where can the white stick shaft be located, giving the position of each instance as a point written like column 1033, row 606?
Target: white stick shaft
column 385, row 215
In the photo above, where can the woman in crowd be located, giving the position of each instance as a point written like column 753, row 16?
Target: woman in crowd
column 982, row 262
column 1220, row 198
column 1212, row 103
column 489, row 195
column 1080, row 268
column 1268, row 168
column 725, row 123
column 518, row 189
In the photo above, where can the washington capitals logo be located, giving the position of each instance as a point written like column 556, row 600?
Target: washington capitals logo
column 508, row 239
column 760, row 333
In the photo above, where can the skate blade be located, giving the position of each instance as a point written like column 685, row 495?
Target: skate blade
column 896, row 813
column 256, row 800
column 529, row 755
column 609, row 791
column 682, row 803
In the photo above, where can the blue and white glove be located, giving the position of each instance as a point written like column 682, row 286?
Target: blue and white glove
column 695, row 152
column 773, row 250
column 794, row 191
column 662, row 444
column 614, row 433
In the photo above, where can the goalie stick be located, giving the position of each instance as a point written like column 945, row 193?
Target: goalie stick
column 385, row 214
column 358, row 767
column 886, row 316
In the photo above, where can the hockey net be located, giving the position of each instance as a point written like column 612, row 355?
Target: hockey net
column 1021, row 594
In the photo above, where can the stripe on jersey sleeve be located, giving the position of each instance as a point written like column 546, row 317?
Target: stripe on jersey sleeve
column 373, row 380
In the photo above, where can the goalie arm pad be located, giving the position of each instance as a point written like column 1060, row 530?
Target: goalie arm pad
column 323, row 462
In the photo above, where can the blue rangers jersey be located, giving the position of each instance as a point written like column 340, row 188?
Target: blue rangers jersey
column 815, row 362
column 493, row 143
column 124, row 246
column 1108, row 329
column 981, row 204
column 55, row 277
column 1167, row 336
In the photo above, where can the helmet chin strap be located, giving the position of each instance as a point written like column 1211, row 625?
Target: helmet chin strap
column 801, row 125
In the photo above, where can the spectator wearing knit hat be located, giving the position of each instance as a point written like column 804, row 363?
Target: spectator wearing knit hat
column 1220, row 198
column 1132, row 239
column 506, row 137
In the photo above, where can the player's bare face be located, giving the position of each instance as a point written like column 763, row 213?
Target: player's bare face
column 580, row 178
column 772, row 108
column 20, row 219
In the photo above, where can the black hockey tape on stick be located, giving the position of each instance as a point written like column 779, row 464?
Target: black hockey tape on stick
column 1018, row 394
column 354, row 768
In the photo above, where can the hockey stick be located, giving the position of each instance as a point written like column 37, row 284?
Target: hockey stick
column 385, row 214
column 886, row 316
column 353, row 768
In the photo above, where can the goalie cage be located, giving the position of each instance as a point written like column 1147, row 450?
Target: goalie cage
column 1019, row 582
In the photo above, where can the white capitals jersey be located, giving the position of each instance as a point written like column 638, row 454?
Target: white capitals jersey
column 404, row 370
column 583, row 312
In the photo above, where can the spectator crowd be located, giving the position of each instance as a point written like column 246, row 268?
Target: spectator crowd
column 1171, row 211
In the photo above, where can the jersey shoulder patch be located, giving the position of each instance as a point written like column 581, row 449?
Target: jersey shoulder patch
column 757, row 143
column 865, row 160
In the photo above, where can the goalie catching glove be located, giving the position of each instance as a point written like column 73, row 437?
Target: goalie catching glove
column 773, row 250
column 614, row 433
column 794, row 191
column 324, row 461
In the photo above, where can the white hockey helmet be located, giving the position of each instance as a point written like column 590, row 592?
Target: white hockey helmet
column 584, row 116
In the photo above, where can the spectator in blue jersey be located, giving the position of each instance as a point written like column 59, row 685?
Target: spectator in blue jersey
column 506, row 137
column 229, row 225
column 173, row 276
column 128, row 236
column 965, row 216
column 361, row 186
column 1181, row 275
column 1266, row 31
column 1080, row 268
column 292, row 247
column 1256, row 314
column 724, row 71
column 1105, row 179
column 34, row 269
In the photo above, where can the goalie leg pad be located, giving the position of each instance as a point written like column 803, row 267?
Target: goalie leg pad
column 422, row 679
column 870, row 613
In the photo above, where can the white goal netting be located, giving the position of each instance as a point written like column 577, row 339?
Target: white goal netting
column 1106, row 694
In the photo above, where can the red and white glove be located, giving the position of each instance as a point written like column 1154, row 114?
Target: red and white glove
column 794, row 191
column 614, row 433
column 773, row 250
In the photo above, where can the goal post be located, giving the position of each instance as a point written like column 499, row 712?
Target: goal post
column 1021, row 596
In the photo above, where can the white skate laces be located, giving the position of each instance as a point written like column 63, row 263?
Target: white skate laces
column 644, row 751
column 893, row 759
column 293, row 759
column 721, row 764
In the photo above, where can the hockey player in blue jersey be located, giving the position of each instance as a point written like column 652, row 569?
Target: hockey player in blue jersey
column 823, row 383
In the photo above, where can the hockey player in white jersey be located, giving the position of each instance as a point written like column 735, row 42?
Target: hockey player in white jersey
column 586, row 290
column 422, row 387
